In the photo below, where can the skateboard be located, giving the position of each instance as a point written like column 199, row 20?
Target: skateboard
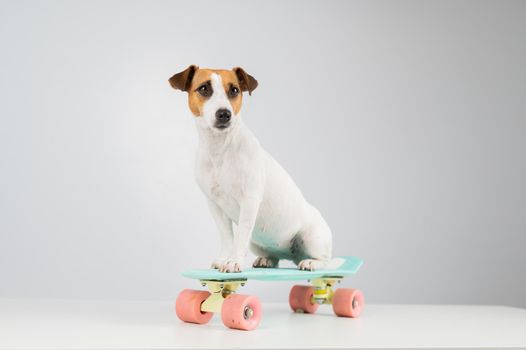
column 244, row 311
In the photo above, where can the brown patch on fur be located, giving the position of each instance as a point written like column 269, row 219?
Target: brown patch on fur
column 193, row 77
column 247, row 82
column 229, row 79
column 182, row 80
column 195, row 100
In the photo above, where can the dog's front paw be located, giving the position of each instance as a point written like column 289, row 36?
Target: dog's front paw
column 217, row 263
column 311, row 264
column 231, row 265
column 265, row 262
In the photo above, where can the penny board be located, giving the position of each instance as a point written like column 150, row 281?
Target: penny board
column 337, row 267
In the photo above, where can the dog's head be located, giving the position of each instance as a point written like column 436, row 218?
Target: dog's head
column 214, row 95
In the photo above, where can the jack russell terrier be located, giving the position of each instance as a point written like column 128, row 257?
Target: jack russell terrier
column 244, row 185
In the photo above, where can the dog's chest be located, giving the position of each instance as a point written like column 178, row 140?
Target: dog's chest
column 221, row 182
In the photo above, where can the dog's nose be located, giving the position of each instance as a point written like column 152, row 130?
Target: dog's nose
column 223, row 115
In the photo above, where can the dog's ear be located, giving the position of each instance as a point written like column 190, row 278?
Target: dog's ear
column 246, row 81
column 183, row 80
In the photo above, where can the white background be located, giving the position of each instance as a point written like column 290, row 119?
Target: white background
column 403, row 122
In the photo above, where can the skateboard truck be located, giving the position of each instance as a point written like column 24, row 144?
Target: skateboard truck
column 324, row 294
column 323, row 291
column 219, row 291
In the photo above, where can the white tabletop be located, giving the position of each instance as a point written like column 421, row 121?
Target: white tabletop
column 62, row 324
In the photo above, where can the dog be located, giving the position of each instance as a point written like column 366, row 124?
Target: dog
column 253, row 200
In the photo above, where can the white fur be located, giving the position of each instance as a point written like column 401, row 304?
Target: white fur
column 246, row 187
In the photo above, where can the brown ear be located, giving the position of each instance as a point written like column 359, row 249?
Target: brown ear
column 247, row 82
column 183, row 80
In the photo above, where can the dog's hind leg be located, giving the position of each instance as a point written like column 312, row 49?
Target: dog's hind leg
column 264, row 258
column 312, row 247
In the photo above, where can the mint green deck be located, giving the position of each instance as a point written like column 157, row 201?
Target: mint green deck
column 338, row 267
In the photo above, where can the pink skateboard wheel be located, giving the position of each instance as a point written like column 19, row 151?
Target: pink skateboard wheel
column 300, row 299
column 241, row 312
column 348, row 302
column 188, row 306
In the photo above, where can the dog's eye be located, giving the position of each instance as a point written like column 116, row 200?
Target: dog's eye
column 204, row 90
column 234, row 91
